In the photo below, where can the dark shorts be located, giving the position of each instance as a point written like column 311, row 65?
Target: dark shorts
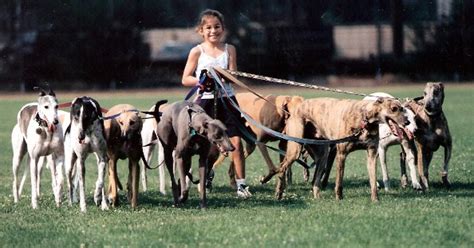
column 227, row 114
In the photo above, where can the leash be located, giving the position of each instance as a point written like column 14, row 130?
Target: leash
column 284, row 81
column 274, row 133
column 228, row 76
column 251, row 138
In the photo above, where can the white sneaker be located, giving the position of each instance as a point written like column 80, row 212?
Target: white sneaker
column 243, row 191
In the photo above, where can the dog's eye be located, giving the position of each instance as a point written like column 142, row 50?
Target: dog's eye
column 46, row 107
column 395, row 109
column 56, row 107
column 121, row 123
column 132, row 122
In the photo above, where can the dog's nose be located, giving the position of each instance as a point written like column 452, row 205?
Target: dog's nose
column 82, row 136
column 407, row 122
column 55, row 122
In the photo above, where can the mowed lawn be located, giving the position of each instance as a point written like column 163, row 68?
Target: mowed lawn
column 402, row 217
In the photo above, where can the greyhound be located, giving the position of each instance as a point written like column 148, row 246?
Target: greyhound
column 148, row 137
column 188, row 130
column 86, row 134
column 432, row 132
column 124, row 140
column 337, row 118
column 388, row 138
column 38, row 133
column 64, row 121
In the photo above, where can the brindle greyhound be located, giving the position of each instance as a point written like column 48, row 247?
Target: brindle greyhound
column 38, row 133
column 188, row 130
column 432, row 132
column 335, row 119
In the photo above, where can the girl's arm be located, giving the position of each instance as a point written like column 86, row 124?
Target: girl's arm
column 232, row 57
column 188, row 78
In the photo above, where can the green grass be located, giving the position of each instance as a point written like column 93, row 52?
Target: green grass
column 437, row 218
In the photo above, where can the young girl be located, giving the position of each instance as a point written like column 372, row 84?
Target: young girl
column 214, row 52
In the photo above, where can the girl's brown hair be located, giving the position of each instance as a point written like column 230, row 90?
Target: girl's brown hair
column 209, row 13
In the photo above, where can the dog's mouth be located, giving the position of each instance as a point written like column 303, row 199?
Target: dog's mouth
column 51, row 127
column 399, row 130
column 224, row 150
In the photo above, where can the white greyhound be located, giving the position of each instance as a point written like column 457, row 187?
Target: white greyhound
column 387, row 138
column 85, row 135
column 37, row 133
column 17, row 190
column 150, row 141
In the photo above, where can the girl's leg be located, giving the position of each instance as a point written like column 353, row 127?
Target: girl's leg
column 239, row 163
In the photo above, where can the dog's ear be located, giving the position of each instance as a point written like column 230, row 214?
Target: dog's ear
column 202, row 129
column 371, row 112
column 42, row 92
column 281, row 103
column 51, row 92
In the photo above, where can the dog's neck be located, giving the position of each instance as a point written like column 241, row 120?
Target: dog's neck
column 195, row 117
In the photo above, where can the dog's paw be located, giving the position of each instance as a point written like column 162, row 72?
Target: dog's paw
column 417, row 186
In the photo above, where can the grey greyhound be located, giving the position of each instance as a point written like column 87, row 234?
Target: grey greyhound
column 186, row 128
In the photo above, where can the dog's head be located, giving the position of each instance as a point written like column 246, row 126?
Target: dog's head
column 409, row 128
column 130, row 124
column 85, row 111
column 433, row 98
column 389, row 111
column 215, row 131
column 48, row 108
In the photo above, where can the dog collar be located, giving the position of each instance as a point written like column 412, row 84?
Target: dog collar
column 40, row 121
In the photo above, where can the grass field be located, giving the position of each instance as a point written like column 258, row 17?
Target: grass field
column 402, row 217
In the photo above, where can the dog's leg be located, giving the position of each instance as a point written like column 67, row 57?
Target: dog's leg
column 34, row 178
column 99, row 193
column 372, row 171
column 409, row 149
column 447, row 157
column 112, row 192
column 168, row 153
column 147, row 152
column 161, row 169
column 82, row 192
column 52, row 164
column 202, row 179
column 403, row 169
column 133, row 184
column 421, row 158
column 183, row 164
column 340, row 163
column 321, row 160
column 39, row 172
column 19, row 151
column 292, row 154
column 70, row 162
column 382, row 149
column 329, row 163
column 264, row 151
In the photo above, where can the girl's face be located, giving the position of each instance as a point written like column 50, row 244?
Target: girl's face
column 212, row 29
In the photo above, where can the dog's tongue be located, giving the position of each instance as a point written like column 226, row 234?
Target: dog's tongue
column 408, row 133
column 52, row 127
column 395, row 129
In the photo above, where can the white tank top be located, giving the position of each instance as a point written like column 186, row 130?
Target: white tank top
column 205, row 61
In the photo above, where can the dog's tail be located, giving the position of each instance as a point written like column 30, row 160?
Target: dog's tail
column 156, row 112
